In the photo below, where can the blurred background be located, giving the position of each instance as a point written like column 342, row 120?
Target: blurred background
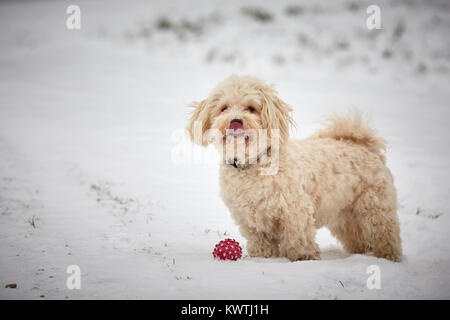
column 90, row 119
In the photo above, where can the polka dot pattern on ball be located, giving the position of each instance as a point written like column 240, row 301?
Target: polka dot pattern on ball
column 228, row 249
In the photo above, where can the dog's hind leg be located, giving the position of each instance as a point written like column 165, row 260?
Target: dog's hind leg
column 375, row 216
column 348, row 231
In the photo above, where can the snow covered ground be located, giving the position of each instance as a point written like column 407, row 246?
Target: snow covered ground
column 90, row 124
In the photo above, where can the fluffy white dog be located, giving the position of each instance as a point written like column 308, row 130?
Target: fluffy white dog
column 280, row 190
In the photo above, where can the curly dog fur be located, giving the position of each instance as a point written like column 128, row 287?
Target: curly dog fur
column 336, row 178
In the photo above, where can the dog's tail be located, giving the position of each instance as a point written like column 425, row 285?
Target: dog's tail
column 352, row 127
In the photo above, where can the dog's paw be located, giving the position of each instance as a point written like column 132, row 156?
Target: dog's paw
column 301, row 257
column 262, row 251
column 394, row 257
column 297, row 255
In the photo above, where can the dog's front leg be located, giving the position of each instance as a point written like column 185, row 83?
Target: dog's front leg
column 298, row 235
column 259, row 244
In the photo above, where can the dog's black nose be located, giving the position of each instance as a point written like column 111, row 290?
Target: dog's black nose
column 237, row 120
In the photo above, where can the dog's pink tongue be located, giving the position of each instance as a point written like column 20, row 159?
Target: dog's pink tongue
column 235, row 125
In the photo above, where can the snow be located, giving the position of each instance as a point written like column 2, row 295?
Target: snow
column 90, row 127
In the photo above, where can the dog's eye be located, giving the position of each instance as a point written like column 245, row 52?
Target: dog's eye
column 250, row 109
column 223, row 108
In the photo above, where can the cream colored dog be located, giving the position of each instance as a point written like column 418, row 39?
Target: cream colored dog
column 336, row 178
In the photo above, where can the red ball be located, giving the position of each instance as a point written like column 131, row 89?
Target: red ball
column 228, row 249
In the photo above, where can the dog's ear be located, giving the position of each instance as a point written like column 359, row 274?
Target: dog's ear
column 199, row 123
column 275, row 114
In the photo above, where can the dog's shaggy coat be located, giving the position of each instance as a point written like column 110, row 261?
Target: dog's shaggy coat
column 336, row 178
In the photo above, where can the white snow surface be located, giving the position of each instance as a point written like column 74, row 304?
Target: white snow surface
column 90, row 125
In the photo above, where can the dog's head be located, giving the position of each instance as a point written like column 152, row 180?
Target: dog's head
column 241, row 108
